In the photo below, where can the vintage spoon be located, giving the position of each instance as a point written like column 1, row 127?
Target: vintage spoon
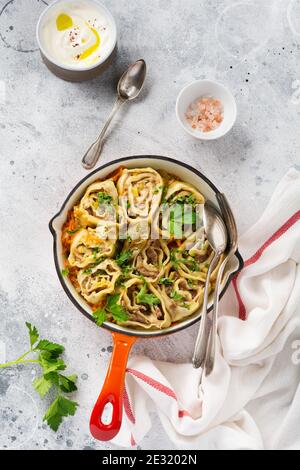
column 231, row 249
column 129, row 87
column 216, row 234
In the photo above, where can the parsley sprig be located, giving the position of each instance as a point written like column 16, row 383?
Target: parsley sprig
column 123, row 258
column 103, row 198
column 52, row 378
column 148, row 299
column 111, row 309
column 165, row 281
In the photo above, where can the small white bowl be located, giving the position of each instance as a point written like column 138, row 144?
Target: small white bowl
column 204, row 88
column 70, row 72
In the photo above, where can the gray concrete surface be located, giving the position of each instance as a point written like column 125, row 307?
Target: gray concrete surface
column 46, row 125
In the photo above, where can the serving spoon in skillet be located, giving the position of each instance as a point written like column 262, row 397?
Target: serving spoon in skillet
column 216, row 234
column 231, row 249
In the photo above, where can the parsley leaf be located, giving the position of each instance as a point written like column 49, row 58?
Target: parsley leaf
column 42, row 385
column 175, row 296
column 99, row 316
column 148, row 299
column 119, row 314
column 59, row 409
column 71, row 232
column 192, row 264
column 173, row 258
column 50, row 364
column 165, row 281
column 53, row 348
column 33, row 334
column 87, row 271
column 103, row 198
column 67, row 384
column 65, row 272
column 123, row 258
column 188, row 199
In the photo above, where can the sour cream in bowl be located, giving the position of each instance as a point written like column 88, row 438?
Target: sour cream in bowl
column 76, row 38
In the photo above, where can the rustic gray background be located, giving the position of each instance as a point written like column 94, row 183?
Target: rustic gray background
column 46, row 125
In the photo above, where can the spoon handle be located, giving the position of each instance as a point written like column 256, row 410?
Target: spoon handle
column 211, row 347
column 92, row 155
column 202, row 338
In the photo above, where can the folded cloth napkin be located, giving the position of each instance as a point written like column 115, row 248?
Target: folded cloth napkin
column 252, row 398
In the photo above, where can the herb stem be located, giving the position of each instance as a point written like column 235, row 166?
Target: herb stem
column 19, row 361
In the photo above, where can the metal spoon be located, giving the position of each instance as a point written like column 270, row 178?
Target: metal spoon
column 231, row 249
column 129, row 87
column 216, row 234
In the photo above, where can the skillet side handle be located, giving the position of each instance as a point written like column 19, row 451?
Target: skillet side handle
column 112, row 391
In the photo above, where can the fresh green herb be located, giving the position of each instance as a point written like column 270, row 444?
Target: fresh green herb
column 100, row 316
column 65, row 272
column 59, row 409
column 54, row 349
column 128, row 205
column 123, row 258
column 127, row 270
column 190, row 283
column 71, row 232
column 121, row 280
column 148, row 299
column 88, row 271
column 33, row 334
column 173, row 258
column 95, row 252
column 165, row 281
column 118, row 313
column 112, row 308
column 104, row 198
column 192, row 264
column 99, row 260
column 188, row 199
column 177, row 297
column 49, row 360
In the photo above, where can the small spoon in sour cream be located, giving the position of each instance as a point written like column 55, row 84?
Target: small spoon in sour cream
column 129, row 87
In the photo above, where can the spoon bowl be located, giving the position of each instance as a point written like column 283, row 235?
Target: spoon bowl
column 216, row 234
column 132, row 81
column 215, row 228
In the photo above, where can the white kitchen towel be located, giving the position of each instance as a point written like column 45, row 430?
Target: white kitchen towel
column 252, row 398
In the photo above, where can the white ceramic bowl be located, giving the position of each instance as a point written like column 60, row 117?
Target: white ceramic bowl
column 203, row 88
column 70, row 72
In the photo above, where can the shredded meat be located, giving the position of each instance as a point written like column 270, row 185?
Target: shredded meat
column 152, row 255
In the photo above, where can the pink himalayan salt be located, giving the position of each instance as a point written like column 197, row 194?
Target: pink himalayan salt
column 205, row 114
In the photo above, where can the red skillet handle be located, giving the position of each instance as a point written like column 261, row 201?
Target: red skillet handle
column 112, row 391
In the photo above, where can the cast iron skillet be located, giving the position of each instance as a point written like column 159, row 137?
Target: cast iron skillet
column 124, row 337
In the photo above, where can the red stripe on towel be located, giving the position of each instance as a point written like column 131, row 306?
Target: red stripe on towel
column 128, row 407
column 183, row 413
column 281, row 231
column 153, row 383
column 158, row 386
column 257, row 255
column 242, row 308
column 132, row 441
